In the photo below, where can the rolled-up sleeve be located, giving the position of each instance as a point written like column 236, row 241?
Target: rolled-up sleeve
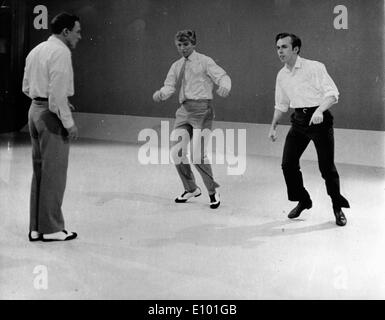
column 282, row 101
column 218, row 74
column 326, row 83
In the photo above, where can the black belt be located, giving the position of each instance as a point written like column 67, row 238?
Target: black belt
column 40, row 99
column 306, row 110
column 197, row 100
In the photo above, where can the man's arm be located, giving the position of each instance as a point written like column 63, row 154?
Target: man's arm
column 282, row 103
column 273, row 129
column 318, row 116
column 219, row 77
column 330, row 92
column 59, row 79
column 168, row 88
column 25, row 86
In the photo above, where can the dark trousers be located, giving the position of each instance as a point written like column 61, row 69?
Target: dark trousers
column 298, row 138
column 50, row 150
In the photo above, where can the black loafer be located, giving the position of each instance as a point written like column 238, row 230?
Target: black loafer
column 302, row 205
column 340, row 217
column 214, row 201
column 39, row 238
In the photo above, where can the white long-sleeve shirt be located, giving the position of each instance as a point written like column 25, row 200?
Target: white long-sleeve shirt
column 201, row 72
column 48, row 74
column 306, row 85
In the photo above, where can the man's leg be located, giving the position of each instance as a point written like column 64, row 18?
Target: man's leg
column 54, row 147
column 324, row 144
column 36, row 175
column 179, row 152
column 295, row 145
column 199, row 144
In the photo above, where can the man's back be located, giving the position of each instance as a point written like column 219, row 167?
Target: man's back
column 47, row 57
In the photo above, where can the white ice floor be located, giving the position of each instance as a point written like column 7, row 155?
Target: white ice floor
column 136, row 243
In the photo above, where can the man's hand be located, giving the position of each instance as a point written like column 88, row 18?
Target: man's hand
column 157, row 96
column 223, row 92
column 72, row 133
column 273, row 134
column 317, row 117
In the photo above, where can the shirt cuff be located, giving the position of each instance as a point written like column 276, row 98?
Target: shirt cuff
column 281, row 108
column 68, row 122
column 225, row 82
column 166, row 93
column 332, row 94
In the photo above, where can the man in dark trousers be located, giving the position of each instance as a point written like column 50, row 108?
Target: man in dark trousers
column 193, row 77
column 48, row 81
column 305, row 86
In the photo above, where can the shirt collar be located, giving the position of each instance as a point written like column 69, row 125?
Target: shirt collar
column 298, row 64
column 191, row 57
column 56, row 40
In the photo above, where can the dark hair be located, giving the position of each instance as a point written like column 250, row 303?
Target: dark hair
column 62, row 21
column 186, row 35
column 295, row 41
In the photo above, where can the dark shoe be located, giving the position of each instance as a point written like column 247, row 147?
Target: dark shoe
column 302, row 205
column 340, row 217
column 32, row 239
column 59, row 236
column 187, row 195
column 214, row 201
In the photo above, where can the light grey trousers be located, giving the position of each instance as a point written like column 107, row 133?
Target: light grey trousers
column 193, row 115
column 50, row 150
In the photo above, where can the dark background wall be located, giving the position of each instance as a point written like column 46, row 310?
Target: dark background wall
column 128, row 47
column 13, row 104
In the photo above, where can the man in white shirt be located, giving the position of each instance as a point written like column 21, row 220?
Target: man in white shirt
column 305, row 86
column 48, row 81
column 194, row 75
